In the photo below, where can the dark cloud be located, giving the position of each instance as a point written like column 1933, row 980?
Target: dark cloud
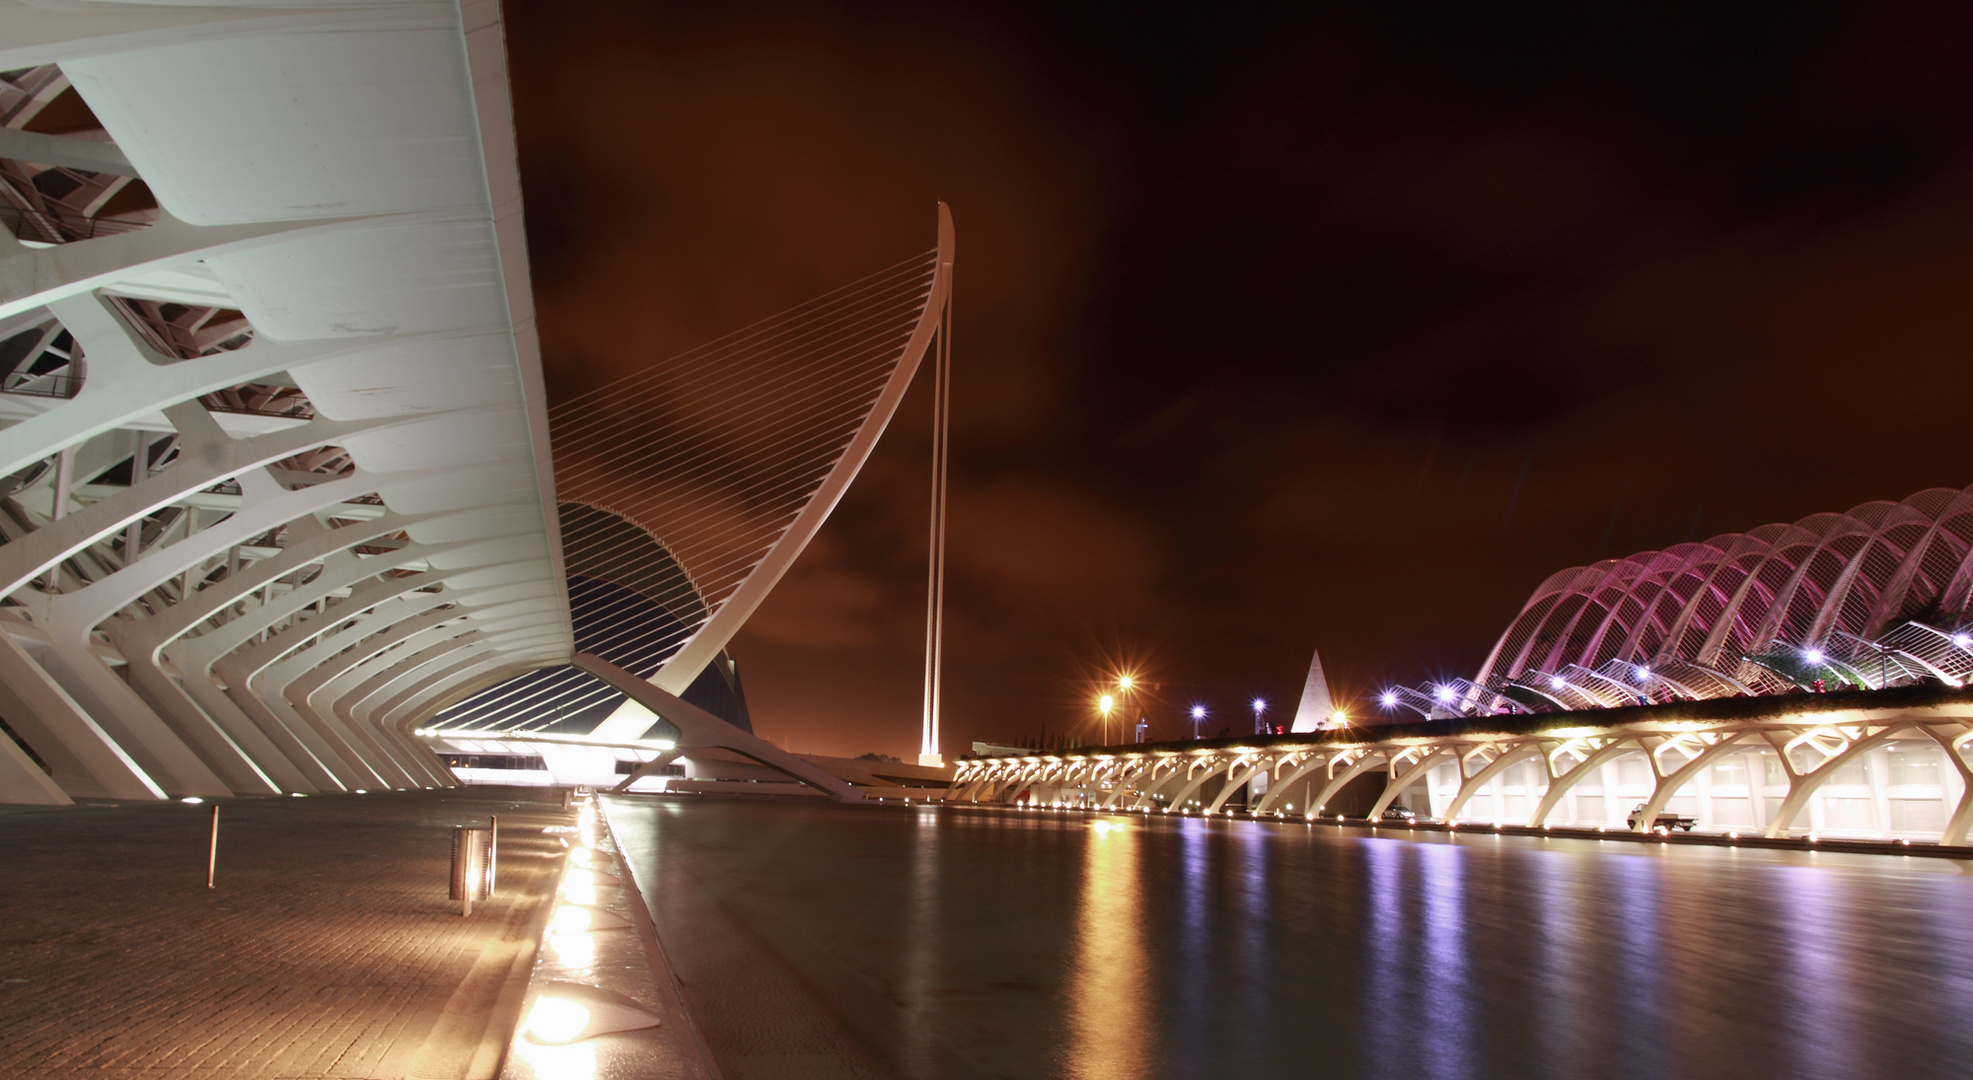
column 1342, row 326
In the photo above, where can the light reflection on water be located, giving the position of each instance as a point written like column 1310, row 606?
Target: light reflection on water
column 1820, row 1009
column 1448, row 996
column 963, row 943
column 1108, row 1000
column 1640, row 1019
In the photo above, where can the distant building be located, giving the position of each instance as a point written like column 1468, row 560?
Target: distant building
column 1876, row 596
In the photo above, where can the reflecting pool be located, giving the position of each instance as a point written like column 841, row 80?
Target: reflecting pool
column 818, row 941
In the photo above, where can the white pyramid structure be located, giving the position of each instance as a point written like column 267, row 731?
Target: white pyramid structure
column 1313, row 713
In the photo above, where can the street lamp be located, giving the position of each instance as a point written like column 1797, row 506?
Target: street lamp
column 1260, row 708
column 1103, row 705
column 1198, row 714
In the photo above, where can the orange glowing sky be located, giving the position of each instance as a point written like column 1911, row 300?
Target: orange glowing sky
column 1339, row 329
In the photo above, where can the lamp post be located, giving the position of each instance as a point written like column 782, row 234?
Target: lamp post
column 1126, row 683
column 1198, row 714
column 1103, row 705
column 1260, row 709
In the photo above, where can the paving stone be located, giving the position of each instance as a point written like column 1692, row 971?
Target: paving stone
column 328, row 948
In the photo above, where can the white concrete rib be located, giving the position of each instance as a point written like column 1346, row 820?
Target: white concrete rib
column 345, row 176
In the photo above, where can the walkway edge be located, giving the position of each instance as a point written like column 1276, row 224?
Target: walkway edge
column 647, row 927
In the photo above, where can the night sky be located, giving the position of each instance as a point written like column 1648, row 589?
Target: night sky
column 1335, row 329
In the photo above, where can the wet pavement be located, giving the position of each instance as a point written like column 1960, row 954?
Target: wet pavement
column 821, row 941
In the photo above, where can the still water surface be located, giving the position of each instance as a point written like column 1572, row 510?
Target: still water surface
column 825, row 941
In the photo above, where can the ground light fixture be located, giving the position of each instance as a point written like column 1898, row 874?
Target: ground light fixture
column 567, row 1012
column 582, row 886
column 573, row 951
column 583, row 919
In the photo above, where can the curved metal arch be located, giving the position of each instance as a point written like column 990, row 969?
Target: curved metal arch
column 1614, row 581
column 1659, row 571
column 1834, row 527
column 1515, row 641
column 1699, row 566
column 1895, row 597
column 1791, row 538
column 1902, row 516
column 685, row 665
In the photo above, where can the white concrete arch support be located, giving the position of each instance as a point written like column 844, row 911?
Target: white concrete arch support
column 346, row 206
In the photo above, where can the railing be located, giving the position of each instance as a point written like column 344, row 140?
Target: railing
column 48, row 386
column 282, row 408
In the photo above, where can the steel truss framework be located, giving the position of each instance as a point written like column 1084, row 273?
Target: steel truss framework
column 1890, row 773
column 1876, row 596
column 272, row 423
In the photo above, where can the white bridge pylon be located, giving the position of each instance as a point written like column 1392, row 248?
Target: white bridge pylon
column 730, row 457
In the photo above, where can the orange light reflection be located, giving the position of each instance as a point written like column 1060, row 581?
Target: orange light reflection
column 1109, row 1006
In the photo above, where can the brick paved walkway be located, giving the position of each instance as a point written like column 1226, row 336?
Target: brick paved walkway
column 328, row 949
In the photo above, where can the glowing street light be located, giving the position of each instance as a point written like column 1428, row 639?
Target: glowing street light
column 1103, row 705
column 1198, row 714
column 1260, row 709
column 1388, row 699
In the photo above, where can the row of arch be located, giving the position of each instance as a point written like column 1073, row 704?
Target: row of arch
column 1301, row 781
